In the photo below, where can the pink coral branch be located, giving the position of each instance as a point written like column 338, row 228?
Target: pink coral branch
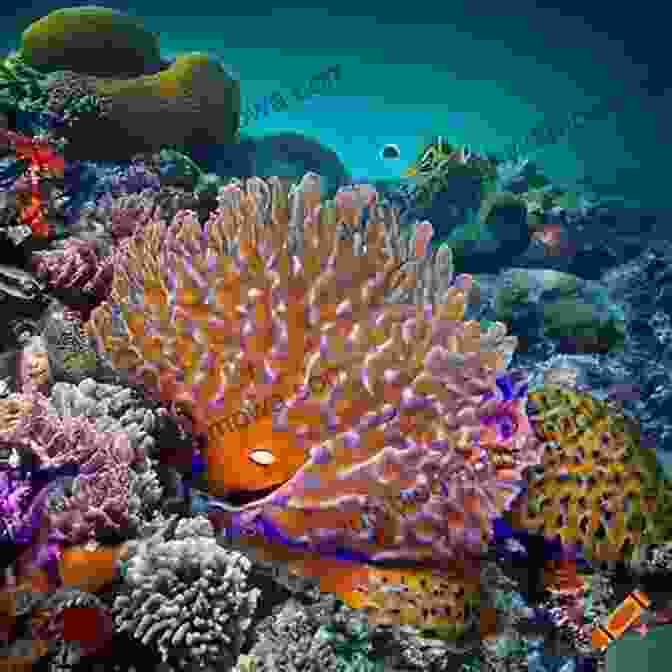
column 100, row 492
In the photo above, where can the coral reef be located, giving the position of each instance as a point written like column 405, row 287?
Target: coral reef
column 600, row 488
column 288, row 155
column 435, row 443
column 491, row 235
column 197, row 100
column 311, row 638
column 97, row 500
column 187, row 597
column 74, row 265
column 91, row 40
column 443, row 167
column 34, row 189
column 112, row 409
column 70, row 351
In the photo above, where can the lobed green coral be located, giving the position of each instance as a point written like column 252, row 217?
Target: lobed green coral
column 91, row 40
column 598, row 487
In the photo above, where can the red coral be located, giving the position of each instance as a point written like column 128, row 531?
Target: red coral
column 43, row 161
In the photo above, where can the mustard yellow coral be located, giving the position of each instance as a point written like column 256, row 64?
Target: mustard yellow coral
column 599, row 487
column 91, row 40
column 194, row 101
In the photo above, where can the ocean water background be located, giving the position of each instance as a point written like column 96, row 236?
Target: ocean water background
column 482, row 74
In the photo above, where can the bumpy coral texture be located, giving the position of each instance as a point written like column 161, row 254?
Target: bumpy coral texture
column 188, row 597
column 99, row 497
column 410, row 449
column 75, row 264
column 94, row 40
column 112, row 408
column 600, row 488
column 70, row 352
column 195, row 97
column 423, row 598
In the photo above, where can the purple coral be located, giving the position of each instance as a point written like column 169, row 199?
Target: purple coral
column 76, row 265
column 100, row 493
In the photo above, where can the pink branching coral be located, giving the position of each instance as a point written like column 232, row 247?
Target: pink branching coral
column 75, row 265
column 100, row 492
column 404, row 453
column 115, row 217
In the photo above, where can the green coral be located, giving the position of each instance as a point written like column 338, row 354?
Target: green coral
column 353, row 650
column 21, row 87
column 541, row 200
column 573, row 318
column 91, row 40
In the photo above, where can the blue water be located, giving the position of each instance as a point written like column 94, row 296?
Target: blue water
column 478, row 73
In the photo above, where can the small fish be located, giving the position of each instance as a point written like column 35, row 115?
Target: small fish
column 434, row 154
column 390, row 152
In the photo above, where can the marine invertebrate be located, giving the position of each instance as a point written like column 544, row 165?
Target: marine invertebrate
column 21, row 87
column 98, row 499
column 195, row 96
column 93, row 40
column 112, row 408
column 388, row 461
column 115, row 216
column 188, row 597
column 600, row 488
column 34, row 371
column 71, row 97
column 71, row 354
column 353, row 649
column 75, row 264
column 42, row 162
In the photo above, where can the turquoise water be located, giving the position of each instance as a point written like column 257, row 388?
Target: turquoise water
column 477, row 73
column 643, row 654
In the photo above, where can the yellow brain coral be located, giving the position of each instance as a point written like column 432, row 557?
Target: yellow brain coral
column 599, row 487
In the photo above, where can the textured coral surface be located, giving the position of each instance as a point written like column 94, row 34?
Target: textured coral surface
column 600, row 488
column 414, row 445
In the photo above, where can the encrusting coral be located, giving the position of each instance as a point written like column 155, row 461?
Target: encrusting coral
column 600, row 489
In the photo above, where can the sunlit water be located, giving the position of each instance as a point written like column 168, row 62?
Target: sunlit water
column 481, row 74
